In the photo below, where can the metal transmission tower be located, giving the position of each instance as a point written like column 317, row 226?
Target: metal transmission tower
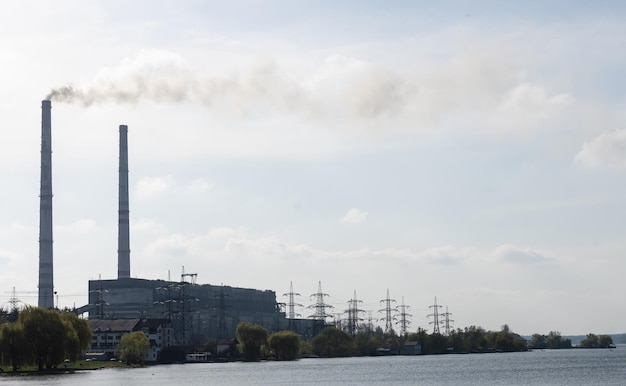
column 388, row 317
column 370, row 322
column 321, row 314
column 222, row 329
column 14, row 300
column 100, row 302
column 404, row 322
column 291, row 307
column 185, row 304
column 192, row 276
column 435, row 316
column 447, row 321
column 179, row 309
column 353, row 312
column 337, row 320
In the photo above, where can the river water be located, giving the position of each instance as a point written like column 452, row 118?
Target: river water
column 549, row 367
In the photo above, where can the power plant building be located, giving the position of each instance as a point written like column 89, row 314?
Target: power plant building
column 196, row 311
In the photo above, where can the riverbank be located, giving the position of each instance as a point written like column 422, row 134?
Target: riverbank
column 66, row 368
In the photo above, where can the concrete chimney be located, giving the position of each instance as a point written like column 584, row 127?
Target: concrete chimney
column 123, row 239
column 46, row 286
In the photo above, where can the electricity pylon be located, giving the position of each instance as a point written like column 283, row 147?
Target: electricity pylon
column 353, row 312
column 291, row 306
column 447, row 322
column 435, row 316
column 404, row 322
column 321, row 314
column 319, row 305
column 388, row 317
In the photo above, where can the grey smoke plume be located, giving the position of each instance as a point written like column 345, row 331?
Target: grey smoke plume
column 341, row 87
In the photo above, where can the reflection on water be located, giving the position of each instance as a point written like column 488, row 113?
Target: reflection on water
column 549, row 367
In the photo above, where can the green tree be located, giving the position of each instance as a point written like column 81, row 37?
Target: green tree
column 420, row 337
column 455, row 340
column 361, row 343
column 80, row 339
column 538, row 341
column 474, row 338
column 285, row 345
column 252, row 338
column 46, row 336
column 605, row 341
column 505, row 340
column 332, row 342
column 591, row 341
column 12, row 345
column 133, row 347
column 436, row 344
column 554, row 340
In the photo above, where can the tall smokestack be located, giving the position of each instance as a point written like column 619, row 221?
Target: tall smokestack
column 46, row 287
column 123, row 239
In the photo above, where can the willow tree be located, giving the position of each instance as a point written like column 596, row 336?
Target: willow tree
column 46, row 336
column 285, row 345
column 12, row 345
column 332, row 342
column 252, row 338
column 133, row 347
column 79, row 338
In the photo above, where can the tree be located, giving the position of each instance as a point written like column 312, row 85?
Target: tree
column 436, row 344
column 81, row 339
column 605, row 341
column 46, row 336
column 332, row 342
column 420, row 337
column 285, row 345
column 252, row 338
column 474, row 339
column 591, row 341
column 12, row 345
column 538, row 341
column 133, row 347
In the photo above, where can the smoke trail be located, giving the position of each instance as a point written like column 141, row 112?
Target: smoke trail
column 339, row 90
column 342, row 86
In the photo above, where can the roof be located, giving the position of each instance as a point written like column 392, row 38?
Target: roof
column 113, row 325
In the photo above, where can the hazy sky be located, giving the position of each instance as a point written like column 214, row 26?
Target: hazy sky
column 472, row 151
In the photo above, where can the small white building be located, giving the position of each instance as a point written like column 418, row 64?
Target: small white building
column 107, row 333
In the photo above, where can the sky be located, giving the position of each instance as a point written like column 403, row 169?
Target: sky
column 468, row 152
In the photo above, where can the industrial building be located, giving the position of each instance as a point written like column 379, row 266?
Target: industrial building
column 196, row 311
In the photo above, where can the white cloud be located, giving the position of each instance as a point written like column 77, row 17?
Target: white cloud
column 151, row 186
column 354, row 216
column 513, row 254
column 606, row 150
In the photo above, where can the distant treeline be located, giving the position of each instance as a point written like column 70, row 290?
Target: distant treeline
column 575, row 340
column 332, row 342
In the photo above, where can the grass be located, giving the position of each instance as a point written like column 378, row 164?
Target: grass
column 73, row 366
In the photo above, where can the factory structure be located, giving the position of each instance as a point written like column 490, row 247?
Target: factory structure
column 193, row 312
